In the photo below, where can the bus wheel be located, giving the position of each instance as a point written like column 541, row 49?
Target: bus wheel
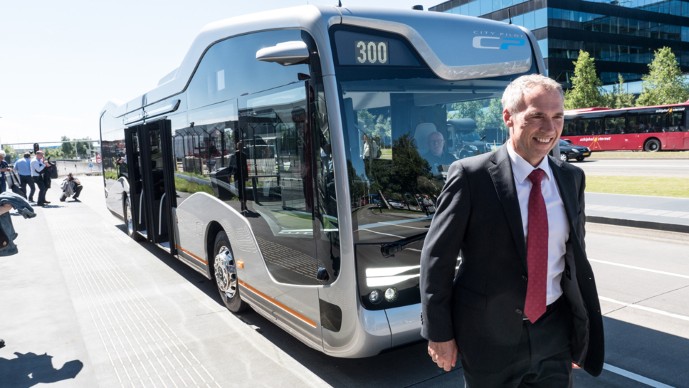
column 129, row 220
column 652, row 145
column 225, row 274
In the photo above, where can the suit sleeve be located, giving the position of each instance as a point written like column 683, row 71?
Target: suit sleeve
column 439, row 256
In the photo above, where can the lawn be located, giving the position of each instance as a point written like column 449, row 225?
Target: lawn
column 659, row 186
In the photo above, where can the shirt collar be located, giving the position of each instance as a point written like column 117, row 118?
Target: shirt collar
column 521, row 168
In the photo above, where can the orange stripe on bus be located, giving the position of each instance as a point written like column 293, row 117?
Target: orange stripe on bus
column 274, row 302
column 193, row 256
column 279, row 305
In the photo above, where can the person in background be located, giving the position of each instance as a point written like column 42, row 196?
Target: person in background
column 523, row 305
column 23, row 168
column 71, row 187
column 437, row 155
column 39, row 176
column 4, row 168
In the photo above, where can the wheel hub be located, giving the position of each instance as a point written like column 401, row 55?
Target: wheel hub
column 225, row 272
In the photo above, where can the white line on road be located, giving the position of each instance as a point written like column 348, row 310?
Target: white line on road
column 640, row 268
column 649, row 309
column 634, row 376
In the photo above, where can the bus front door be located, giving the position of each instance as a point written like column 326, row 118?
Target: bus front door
column 155, row 195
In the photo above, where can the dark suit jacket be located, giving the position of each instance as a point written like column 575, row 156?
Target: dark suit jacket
column 481, row 307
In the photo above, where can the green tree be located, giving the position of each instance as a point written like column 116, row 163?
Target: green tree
column 83, row 148
column 586, row 86
column 619, row 98
column 67, row 147
column 10, row 154
column 664, row 84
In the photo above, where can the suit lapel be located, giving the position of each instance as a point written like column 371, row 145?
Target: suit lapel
column 503, row 180
column 566, row 185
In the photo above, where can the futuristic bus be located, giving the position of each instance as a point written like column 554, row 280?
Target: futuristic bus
column 246, row 163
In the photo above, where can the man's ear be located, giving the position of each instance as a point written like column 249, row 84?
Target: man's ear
column 507, row 118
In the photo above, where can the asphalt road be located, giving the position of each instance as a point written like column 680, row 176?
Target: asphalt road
column 676, row 168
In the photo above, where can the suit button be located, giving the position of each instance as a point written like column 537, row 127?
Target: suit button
column 524, row 278
column 519, row 312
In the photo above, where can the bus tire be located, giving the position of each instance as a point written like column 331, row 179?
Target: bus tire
column 652, row 145
column 225, row 274
column 129, row 220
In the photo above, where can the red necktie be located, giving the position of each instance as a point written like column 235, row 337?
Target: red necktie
column 536, row 249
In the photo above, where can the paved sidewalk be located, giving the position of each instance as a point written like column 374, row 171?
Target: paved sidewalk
column 85, row 309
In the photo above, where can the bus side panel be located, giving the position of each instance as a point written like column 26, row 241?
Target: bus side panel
column 294, row 307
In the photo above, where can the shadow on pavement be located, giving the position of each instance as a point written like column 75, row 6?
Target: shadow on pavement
column 29, row 369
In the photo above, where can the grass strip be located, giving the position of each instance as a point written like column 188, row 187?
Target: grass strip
column 641, row 185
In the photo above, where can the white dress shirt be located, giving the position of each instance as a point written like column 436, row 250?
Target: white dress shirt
column 36, row 167
column 558, row 227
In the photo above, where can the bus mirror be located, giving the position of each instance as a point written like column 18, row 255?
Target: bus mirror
column 285, row 53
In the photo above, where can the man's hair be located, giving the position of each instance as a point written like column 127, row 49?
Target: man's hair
column 513, row 97
column 2, row 153
column 27, row 154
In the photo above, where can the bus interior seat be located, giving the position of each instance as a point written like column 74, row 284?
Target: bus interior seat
column 423, row 130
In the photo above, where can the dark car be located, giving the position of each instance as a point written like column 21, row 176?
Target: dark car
column 572, row 151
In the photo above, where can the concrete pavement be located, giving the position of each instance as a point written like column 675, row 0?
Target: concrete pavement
column 85, row 309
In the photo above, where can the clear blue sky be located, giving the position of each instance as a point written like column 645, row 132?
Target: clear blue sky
column 61, row 61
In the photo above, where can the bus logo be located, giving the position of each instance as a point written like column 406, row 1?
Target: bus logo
column 496, row 43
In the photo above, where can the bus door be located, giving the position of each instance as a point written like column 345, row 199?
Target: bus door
column 155, row 195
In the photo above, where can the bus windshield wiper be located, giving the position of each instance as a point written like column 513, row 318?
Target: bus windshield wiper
column 390, row 249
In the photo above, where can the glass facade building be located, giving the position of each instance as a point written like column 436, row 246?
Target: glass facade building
column 621, row 35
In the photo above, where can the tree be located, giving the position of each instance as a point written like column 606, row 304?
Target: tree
column 586, row 86
column 664, row 84
column 67, row 147
column 618, row 98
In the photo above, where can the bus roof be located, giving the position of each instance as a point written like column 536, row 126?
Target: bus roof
column 602, row 111
column 509, row 44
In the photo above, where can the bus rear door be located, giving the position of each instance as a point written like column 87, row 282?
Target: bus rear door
column 151, row 181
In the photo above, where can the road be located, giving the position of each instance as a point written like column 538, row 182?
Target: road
column 675, row 168
column 135, row 316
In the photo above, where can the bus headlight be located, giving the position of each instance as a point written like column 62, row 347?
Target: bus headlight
column 391, row 294
column 375, row 296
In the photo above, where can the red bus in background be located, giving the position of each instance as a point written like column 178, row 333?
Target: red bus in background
column 649, row 128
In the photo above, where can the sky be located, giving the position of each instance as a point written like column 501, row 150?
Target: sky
column 62, row 61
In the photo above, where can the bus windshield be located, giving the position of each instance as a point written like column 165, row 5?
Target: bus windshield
column 403, row 133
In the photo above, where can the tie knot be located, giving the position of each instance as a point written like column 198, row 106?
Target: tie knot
column 536, row 176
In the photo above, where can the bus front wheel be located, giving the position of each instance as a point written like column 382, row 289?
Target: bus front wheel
column 652, row 145
column 225, row 274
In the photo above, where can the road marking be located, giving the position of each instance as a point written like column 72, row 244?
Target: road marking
column 634, row 376
column 640, row 268
column 649, row 309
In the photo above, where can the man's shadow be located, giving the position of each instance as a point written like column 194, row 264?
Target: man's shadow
column 29, row 369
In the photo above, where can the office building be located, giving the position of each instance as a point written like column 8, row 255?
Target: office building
column 621, row 35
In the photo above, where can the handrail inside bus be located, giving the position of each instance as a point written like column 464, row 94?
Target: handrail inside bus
column 389, row 249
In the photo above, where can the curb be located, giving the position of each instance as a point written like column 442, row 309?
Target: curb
column 639, row 224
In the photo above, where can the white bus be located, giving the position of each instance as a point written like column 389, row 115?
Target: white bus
column 247, row 162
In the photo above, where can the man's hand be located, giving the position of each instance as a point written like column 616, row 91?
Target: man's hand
column 444, row 354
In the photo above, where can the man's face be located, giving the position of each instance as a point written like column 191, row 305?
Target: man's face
column 436, row 143
column 535, row 130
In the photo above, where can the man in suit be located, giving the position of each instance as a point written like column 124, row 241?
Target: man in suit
column 482, row 314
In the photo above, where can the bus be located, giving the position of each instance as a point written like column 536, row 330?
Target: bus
column 648, row 128
column 246, row 163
